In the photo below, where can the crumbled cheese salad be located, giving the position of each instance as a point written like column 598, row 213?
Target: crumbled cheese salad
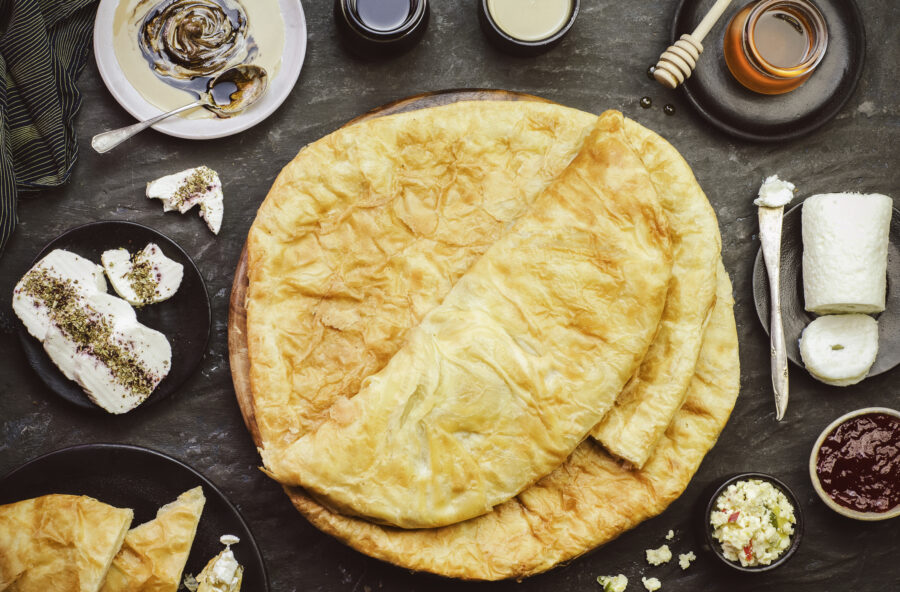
column 613, row 583
column 754, row 521
column 651, row 584
column 659, row 556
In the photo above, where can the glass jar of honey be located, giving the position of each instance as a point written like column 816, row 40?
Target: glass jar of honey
column 773, row 46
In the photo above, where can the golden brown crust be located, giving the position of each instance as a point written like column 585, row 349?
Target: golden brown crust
column 588, row 501
column 500, row 382
column 645, row 408
column 63, row 543
column 153, row 554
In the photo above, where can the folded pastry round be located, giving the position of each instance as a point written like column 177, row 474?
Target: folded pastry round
column 500, row 382
column 367, row 231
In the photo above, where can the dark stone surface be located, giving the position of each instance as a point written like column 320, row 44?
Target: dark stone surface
column 601, row 64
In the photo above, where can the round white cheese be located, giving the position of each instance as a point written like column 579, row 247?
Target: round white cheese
column 845, row 241
column 840, row 349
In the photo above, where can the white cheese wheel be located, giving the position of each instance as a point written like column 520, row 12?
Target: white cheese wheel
column 845, row 241
column 840, row 349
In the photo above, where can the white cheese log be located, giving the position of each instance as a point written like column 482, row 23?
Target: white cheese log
column 845, row 241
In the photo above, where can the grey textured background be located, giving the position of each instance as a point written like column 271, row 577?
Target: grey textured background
column 601, row 64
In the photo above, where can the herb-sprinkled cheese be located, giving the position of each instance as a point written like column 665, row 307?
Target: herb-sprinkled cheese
column 142, row 277
column 199, row 182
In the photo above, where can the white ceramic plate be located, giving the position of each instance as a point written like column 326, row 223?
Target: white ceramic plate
column 202, row 129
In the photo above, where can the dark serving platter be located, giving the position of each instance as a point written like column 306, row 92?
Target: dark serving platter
column 142, row 479
column 795, row 318
column 735, row 110
column 184, row 319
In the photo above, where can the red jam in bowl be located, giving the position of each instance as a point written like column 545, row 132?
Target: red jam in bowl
column 858, row 463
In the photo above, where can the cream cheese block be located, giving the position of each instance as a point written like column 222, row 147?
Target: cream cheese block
column 845, row 242
column 147, row 277
column 93, row 337
column 839, row 349
column 183, row 190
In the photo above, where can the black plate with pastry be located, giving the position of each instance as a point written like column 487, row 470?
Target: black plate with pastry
column 794, row 316
column 184, row 318
column 133, row 477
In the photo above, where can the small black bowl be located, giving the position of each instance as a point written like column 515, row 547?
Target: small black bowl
column 369, row 42
column 716, row 547
column 509, row 44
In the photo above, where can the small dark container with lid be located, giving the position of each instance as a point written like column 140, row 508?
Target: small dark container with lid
column 378, row 28
column 508, row 42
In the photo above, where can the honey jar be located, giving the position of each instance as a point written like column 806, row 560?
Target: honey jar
column 773, row 46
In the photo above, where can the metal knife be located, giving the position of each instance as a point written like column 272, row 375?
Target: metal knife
column 770, row 237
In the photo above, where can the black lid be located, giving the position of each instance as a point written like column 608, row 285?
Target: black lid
column 510, row 44
column 366, row 39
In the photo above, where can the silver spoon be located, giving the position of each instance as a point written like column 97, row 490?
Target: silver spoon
column 770, row 236
column 250, row 84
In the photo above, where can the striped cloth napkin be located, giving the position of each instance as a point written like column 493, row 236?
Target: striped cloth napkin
column 43, row 48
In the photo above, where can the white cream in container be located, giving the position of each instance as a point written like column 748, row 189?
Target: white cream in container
column 845, row 241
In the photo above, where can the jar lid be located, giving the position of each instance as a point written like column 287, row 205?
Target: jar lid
column 516, row 28
column 375, row 28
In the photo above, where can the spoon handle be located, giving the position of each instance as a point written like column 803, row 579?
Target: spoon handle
column 770, row 220
column 108, row 140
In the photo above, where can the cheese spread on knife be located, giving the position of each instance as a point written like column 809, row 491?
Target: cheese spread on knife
column 93, row 337
column 498, row 384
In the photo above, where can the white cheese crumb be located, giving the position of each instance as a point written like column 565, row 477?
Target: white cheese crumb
column 659, row 556
column 684, row 559
column 613, row 583
column 651, row 584
column 670, row 535
column 775, row 193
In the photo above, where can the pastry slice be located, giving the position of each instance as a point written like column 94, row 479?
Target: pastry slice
column 223, row 573
column 154, row 553
column 59, row 543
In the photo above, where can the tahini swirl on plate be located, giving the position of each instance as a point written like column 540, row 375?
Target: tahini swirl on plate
column 186, row 39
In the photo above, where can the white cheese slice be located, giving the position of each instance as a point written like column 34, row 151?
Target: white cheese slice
column 93, row 337
column 147, row 277
column 845, row 242
column 183, row 190
column 840, row 349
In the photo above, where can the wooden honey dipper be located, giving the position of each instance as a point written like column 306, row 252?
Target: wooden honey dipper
column 679, row 60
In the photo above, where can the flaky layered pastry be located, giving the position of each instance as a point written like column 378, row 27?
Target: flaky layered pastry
column 366, row 232
column 154, row 554
column 63, row 543
column 645, row 407
column 501, row 381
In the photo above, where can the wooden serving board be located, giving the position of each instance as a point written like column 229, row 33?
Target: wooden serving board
column 237, row 312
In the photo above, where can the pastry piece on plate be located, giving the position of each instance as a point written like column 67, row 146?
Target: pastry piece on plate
column 154, row 553
column 500, row 383
column 223, row 573
column 183, row 190
column 59, row 543
column 147, row 277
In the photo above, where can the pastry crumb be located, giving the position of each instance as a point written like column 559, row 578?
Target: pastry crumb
column 659, row 556
column 684, row 559
column 651, row 584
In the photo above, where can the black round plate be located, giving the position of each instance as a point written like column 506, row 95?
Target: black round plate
column 724, row 102
column 795, row 318
column 143, row 480
column 184, row 318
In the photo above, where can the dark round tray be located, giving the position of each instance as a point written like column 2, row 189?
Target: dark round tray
column 184, row 319
column 795, row 318
column 143, row 480
column 726, row 104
